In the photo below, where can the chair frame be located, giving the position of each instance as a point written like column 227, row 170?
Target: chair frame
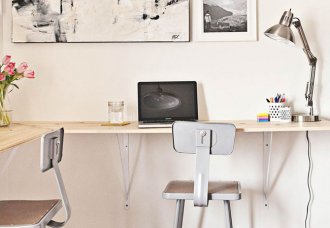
column 51, row 155
column 205, row 139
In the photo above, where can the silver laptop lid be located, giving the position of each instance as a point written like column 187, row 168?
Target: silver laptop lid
column 167, row 101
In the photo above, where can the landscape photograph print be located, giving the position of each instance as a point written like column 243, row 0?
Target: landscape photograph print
column 61, row 21
column 225, row 15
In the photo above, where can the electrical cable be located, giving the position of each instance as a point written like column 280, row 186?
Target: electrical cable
column 309, row 183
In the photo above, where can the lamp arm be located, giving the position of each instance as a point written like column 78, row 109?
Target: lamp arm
column 311, row 58
column 310, row 90
column 312, row 62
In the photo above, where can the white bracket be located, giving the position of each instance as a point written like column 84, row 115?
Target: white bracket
column 267, row 151
column 123, row 143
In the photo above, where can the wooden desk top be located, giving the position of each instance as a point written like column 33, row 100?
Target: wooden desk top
column 22, row 132
column 132, row 128
column 17, row 134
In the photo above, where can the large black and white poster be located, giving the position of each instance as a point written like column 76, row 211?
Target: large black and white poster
column 100, row 20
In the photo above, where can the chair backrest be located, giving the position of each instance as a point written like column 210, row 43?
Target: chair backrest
column 185, row 133
column 50, row 156
column 51, row 145
column 203, row 139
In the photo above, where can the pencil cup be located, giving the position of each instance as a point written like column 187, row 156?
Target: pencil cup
column 273, row 111
column 285, row 114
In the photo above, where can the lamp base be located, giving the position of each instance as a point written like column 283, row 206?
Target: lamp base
column 304, row 118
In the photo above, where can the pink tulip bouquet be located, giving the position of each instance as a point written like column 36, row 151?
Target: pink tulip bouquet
column 9, row 74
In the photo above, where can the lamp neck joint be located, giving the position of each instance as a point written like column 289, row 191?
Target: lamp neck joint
column 296, row 22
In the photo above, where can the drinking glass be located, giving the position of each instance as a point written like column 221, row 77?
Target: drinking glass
column 116, row 112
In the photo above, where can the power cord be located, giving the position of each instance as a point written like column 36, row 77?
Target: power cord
column 309, row 184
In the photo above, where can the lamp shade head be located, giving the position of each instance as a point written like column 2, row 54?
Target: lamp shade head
column 282, row 31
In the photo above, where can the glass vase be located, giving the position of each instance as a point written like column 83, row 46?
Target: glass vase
column 5, row 111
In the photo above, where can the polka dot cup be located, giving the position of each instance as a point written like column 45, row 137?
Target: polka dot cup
column 274, row 111
column 285, row 114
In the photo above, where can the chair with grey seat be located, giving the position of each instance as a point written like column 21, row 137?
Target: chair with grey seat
column 39, row 213
column 202, row 139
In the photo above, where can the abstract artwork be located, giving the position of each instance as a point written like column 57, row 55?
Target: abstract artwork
column 100, row 20
column 227, row 20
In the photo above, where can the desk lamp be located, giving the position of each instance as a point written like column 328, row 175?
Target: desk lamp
column 283, row 33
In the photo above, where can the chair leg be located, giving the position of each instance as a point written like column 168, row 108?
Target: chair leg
column 179, row 213
column 229, row 223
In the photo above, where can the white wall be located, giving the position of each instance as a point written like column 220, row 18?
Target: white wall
column 1, row 28
column 74, row 82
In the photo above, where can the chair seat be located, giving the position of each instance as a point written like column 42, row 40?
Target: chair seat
column 184, row 190
column 27, row 212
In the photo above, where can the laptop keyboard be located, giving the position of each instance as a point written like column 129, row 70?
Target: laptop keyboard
column 159, row 121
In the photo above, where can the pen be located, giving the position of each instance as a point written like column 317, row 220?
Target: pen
column 279, row 97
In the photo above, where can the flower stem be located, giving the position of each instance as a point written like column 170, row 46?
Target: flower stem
column 4, row 114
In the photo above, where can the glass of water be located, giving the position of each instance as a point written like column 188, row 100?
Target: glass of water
column 116, row 112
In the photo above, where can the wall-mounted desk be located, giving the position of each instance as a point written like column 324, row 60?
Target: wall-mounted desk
column 249, row 126
column 17, row 134
column 22, row 132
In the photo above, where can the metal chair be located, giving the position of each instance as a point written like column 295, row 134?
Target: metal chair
column 39, row 213
column 202, row 139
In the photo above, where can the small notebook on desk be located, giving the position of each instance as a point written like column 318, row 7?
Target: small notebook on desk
column 162, row 103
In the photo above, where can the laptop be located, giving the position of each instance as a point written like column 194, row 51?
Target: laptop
column 162, row 103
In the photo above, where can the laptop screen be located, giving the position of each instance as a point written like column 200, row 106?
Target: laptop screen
column 176, row 100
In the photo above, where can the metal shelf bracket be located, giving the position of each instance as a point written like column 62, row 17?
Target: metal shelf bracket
column 267, row 151
column 123, row 143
